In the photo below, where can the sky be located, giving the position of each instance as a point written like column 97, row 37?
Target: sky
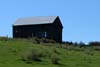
column 80, row 18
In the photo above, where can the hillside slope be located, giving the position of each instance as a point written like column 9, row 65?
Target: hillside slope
column 13, row 51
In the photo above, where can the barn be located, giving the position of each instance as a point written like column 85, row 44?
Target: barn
column 42, row 26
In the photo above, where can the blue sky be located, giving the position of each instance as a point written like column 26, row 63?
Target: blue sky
column 80, row 18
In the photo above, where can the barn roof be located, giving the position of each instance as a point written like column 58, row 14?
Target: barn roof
column 35, row 20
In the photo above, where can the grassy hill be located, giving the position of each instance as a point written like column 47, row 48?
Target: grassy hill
column 26, row 53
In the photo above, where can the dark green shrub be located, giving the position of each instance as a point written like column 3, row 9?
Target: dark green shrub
column 3, row 38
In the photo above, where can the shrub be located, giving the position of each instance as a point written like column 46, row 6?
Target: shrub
column 44, row 40
column 54, row 59
column 68, row 43
column 33, row 55
column 35, row 40
column 97, row 48
column 89, row 51
column 56, row 51
column 41, row 40
column 76, row 48
column 3, row 38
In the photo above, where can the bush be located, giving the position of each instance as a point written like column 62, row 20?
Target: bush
column 97, row 48
column 76, row 48
column 68, row 43
column 33, row 55
column 44, row 40
column 41, row 40
column 56, row 51
column 89, row 51
column 3, row 38
column 35, row 40
column 55, row 59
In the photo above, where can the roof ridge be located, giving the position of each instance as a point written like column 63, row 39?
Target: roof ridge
column 37, row 16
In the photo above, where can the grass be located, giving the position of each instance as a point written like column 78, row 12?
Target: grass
column 12, row 51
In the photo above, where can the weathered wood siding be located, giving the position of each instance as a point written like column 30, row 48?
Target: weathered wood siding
column 51, row 31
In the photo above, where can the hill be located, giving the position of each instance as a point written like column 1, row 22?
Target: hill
column 26, row 53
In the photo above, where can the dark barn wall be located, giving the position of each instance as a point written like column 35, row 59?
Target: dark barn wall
column 27, row 31
column 52, row 31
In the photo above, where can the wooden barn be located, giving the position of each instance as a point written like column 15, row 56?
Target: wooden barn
column 43, row 27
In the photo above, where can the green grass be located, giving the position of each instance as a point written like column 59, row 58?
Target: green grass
column 12, row 51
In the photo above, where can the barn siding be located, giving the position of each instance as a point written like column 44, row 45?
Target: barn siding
column 54, row 30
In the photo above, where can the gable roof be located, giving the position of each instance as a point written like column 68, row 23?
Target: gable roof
column 35, row 20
